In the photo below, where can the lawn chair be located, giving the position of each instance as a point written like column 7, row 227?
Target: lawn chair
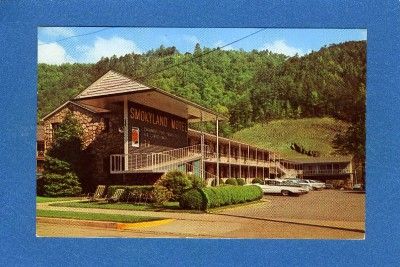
column 116, row 196
column 98, row 194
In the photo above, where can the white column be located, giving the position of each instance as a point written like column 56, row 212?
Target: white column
column 126, row 146
column 217, row 152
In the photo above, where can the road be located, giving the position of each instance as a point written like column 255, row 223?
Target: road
column 327, row 214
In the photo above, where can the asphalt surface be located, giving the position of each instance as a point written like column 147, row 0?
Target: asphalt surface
column 331, row 205
column 327, row 214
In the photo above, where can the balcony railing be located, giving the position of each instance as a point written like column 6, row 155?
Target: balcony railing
column 154, row 161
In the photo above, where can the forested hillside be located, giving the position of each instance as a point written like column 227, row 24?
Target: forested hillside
column 248, row 87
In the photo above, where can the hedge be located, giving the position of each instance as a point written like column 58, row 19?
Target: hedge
column 144, row 189
column 212, row 197
column 193, row 199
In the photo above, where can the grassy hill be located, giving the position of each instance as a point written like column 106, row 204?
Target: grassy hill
column 312, row 133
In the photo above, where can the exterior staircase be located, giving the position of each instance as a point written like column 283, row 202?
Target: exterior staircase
column 155, row 161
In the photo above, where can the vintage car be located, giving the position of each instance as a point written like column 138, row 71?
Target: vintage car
column 282, row 187
column 310, row 184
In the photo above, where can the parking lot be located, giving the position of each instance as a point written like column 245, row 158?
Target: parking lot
column 330, row 205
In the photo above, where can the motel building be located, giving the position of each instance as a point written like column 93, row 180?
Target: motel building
column 135, row 133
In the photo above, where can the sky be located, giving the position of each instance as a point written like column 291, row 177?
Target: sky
column 58, row 45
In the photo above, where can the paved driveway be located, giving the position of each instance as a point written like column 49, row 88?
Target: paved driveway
column 328, row 205
column 323, row 214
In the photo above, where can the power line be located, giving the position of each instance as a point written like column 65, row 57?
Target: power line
column 199, row 56
column 75, row 36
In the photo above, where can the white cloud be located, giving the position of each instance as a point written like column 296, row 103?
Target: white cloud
column 281, row 47
column 107, row 48
column 53, row 53
column 221, row 43
column 192, row 39
column 57, row 31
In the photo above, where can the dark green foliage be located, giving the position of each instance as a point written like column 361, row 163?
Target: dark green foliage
column 54, row 165
column 193, row 199
column 131, row 190
column 61, row 185
column 197, row 182
column 211, row 197
column 231, row 181
column 240, row 181
column 176, row 182
column 257, row 181
column 58, row 179
column 67, row 147
column 300, row 149
column 161, row 195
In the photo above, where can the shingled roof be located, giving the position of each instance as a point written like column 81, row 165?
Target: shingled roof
column 111, row 83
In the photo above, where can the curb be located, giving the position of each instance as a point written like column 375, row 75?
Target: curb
column 103, row 224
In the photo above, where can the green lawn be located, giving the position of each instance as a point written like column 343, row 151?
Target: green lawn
column 94, row 216
column 116, row 206
column 54, row 199
column 312, row 133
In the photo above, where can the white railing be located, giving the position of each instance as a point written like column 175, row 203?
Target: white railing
column 155, row 160
column 117, row 163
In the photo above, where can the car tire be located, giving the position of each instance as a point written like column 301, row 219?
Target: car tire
column 285, row 193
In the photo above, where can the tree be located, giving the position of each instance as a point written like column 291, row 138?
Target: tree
column 67, row 146
column 58, row 179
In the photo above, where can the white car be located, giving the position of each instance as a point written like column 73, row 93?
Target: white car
column 275, row 186
column 310, row 184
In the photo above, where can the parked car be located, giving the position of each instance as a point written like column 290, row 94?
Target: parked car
column 282, row 187
column 310, row 184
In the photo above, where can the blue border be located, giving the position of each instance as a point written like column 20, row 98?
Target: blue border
column 18, row 45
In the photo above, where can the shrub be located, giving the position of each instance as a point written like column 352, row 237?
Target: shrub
column 58, row 179
column 176, row 182
column 193, row 199
column 161, row 194
column 197, row 182
column 61, row 185
column 231, row 181
column 211, row 197
column 240, row 181
column 54, row 165
column 144, row 191
column 257, row 181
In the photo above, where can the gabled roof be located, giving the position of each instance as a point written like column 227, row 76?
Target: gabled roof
column 81, row 105
column 114, row 87
column 111, row 83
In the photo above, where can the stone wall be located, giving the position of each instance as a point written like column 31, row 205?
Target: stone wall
column 99, row 140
